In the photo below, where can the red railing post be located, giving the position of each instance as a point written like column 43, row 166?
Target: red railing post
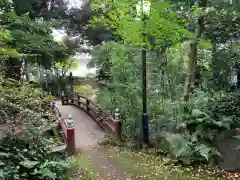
column 117, row 129
column 117, row 124
column 70, row 135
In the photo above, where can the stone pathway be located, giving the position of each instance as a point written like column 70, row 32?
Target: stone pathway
column 87, row 136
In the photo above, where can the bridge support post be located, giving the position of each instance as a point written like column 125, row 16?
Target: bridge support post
column 117, row 129
column 117, row 124
column 70, row 136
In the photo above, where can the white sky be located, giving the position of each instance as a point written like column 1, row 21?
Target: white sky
column 83, row 70
column 82, row 58
column 58, row 34
column 75, row 3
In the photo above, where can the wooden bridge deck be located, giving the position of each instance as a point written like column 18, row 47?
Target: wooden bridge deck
column 87, row 135
column 87, row 132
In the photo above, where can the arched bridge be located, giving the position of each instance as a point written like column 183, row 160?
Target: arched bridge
column 91, row 123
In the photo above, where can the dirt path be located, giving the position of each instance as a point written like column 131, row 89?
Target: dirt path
column 87, row 136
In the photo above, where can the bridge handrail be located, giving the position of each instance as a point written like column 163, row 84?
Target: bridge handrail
column 100, row 116
column 83, row 97
column 61, row 120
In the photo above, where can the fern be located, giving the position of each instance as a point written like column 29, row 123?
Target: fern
column 188, row 149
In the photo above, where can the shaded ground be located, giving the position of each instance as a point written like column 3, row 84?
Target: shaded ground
column 87, row 136
column 149, row 167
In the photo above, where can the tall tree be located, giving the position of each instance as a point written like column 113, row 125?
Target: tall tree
column 78, row 24
column 32, row 38
column 192, row 55
column 47, row 9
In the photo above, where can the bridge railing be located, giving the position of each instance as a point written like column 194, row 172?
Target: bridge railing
column 101, row 117
column 69, row 133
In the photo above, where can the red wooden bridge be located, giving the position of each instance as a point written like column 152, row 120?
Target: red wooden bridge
column 90, row 122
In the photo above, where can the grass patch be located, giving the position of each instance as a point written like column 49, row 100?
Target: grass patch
column 82, row 167
column 149, row 167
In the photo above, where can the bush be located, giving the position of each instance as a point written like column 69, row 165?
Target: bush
column 30, row 159
column 85, row 90
column 227, row 105
column 195, row 130
column 24, row 151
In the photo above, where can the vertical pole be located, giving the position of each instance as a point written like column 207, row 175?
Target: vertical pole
column 117, row 128
column 62, row 97
column 70, row 141
column 238, row 77
column 88, row 103
column 53, row 103
column 117, row 124
column 79, row 100
column 71, row 82
column 71, row 87
column 144, row 87
column 70, row 136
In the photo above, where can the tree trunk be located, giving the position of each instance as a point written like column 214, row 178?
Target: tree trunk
column 214, row 65
column 192, row 54
column 170, row 82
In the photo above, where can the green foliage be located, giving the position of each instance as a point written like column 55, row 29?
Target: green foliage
column 66, row 65
column 191, row 127
column 33, row 38
column 162, row 25
column 27, row 107
column 85, row 90
column 27, row 31
column 30, row 159
column 24, row 151
column 5, row 50
column 121, row 89
column 197, row 123
column 190, row 131
column 48, row 9
column 226, row 105
column 57, row 78
column 26, row 39
column 189, row 149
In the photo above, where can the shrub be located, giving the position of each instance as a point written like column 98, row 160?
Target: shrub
column 30, row 159
column 85, row 90
column 197, row 128
column 24, row 151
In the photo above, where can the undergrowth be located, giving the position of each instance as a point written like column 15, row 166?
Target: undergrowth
column 25, row 151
